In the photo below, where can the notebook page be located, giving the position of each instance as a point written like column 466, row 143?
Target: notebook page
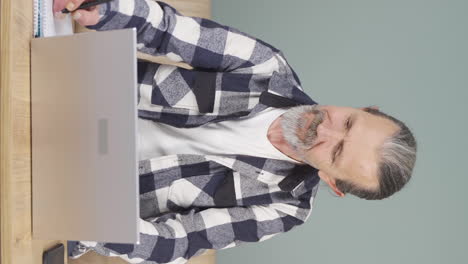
column 46, row 25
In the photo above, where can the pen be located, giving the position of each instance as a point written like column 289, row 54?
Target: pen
column 86, row 5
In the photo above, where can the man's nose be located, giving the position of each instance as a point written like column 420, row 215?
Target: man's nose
column 326, row 133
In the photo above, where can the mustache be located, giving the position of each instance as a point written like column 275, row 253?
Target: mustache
column 294, row 119
column 311, row 133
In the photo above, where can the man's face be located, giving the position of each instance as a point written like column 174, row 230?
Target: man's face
column 341, row 142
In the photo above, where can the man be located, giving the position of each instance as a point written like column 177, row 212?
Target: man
column 233, row 151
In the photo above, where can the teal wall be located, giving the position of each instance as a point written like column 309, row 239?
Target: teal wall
column 408, row 57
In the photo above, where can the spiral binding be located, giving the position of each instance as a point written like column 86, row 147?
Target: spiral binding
column 37, row 19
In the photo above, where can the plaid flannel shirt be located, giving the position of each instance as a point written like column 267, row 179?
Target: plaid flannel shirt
column 191, row 203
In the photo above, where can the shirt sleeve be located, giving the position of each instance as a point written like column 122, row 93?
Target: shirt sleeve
column 199, row 42
column 175, row 237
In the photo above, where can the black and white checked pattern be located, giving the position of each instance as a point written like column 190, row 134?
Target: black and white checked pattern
column 191, row 203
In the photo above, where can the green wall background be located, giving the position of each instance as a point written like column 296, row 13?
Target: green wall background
column 410, row 58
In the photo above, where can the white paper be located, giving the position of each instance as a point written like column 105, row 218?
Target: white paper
column 46, row 25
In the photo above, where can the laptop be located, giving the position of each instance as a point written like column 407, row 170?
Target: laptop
column 85, row 180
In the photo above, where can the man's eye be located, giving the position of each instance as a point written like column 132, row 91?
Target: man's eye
column 348, row 123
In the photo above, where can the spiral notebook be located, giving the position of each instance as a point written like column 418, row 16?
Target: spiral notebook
column 46, row 25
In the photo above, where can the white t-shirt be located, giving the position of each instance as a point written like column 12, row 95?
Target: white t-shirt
column 243, row 136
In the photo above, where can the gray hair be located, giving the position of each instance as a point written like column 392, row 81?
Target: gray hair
column 397, row 159
column 293, row 119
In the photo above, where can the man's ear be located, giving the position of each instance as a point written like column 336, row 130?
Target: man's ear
column 331, row 182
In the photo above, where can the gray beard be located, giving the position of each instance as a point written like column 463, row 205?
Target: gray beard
column 293, row 120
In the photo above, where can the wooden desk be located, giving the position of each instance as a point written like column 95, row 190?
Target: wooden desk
column 16, row 31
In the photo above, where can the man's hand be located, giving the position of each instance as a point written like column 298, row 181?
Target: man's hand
column 85, row 17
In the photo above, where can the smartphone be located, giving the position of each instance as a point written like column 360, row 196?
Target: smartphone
column 54, row 255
